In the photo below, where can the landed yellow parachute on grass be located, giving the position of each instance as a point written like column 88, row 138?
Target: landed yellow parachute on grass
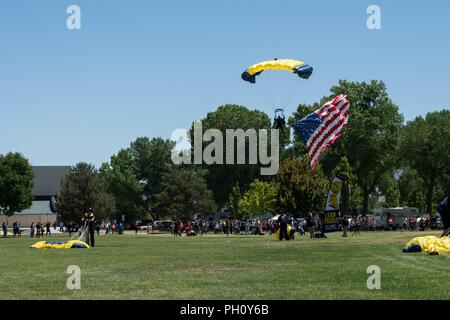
column 72, row 244
column 295, row 66
column 276, row 235
column 428, row 244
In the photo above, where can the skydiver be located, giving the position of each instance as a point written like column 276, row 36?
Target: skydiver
column 280, row 122
column 283, row 221
column 444, row 210
column 89, row 225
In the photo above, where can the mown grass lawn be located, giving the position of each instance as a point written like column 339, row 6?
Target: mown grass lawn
column 220, row 267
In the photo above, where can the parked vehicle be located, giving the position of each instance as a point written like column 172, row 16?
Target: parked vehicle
column 381, row 215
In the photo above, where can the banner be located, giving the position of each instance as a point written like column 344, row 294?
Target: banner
column 335, row 192
column 330, row 217
column 329, row 220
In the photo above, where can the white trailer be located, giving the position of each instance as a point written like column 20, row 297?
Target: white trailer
column 398, row 214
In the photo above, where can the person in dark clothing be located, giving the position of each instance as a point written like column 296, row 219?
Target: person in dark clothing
column 89, row 218
column 32, row 230
column 38, row 229
column 226, row 227
column 311, row 224
column 5, row 229
column 47, row 229
column 283, row 223
column 444, row 210
column 344, row 222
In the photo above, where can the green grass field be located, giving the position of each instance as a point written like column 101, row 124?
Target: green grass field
column 217, row 267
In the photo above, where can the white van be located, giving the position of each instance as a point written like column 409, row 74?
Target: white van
column 398, row 214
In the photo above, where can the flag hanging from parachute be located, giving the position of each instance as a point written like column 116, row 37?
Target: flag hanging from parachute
column 323, row 127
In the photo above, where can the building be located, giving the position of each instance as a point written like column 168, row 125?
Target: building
column 46, row 186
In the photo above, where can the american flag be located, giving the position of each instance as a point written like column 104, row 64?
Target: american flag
column 323, row 127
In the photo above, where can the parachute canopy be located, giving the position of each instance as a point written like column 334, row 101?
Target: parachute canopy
column 429, row 244
column 72, row 244
column 295, row 66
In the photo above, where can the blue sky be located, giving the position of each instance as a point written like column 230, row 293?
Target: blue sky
column 145, row 68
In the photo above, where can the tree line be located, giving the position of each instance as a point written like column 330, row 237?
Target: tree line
column 406, row 163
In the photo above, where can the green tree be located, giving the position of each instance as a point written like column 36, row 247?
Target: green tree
column 389, row 187
column 81, row 189
column 221, row 178
column 300, row 190
column 135, row 174
column 260, row 198
column 233, row 201
column 183, row 194
column 351, row 196
column 424, row 146
column 412, row 189
column 370, row 139
column 123, row 184
column 16, row 183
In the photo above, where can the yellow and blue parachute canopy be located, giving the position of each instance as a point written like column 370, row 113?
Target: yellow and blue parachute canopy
column 429, row 244
column 72, row 244
column 295, row 66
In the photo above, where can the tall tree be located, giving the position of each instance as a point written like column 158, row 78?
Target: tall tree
column 412, row 189
column 135, row 174
column 260, row 198
column 389, row 187
column 424, row 146
column 233, row 202
column 183, row 194
column 221, row 178
column 300, row 190
column 370, row 139
column 16, row 183
column 351, row 196
column 81, row 189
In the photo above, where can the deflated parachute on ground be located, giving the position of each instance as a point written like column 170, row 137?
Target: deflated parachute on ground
column 72, row 244
column 276, row 235
column 295, row 66
column 428, row 244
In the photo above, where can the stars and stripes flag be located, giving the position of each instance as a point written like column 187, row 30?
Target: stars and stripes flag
column 323, row 127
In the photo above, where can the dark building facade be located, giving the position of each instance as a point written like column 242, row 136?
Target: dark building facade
column 46, row 186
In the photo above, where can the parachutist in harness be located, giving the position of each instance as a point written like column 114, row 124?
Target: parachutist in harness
column 444, row 210
column 279, row 119
column 89, row 227
column 283, row 222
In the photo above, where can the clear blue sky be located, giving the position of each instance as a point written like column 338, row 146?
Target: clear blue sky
column 145, row 68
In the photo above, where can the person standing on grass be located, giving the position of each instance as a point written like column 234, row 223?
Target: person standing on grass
column 344, row 227
column 14, row 229
column 32, row 229
column 356, row 227
column 47, row 229
column 91, row 227
column 311, row 225
column 175, row 229
column 226, row 226
column 5, row 229
column 38, row 230
column 283, row 223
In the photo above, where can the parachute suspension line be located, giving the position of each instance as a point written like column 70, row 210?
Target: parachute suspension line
column 268, row 96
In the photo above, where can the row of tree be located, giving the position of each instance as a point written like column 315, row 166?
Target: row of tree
column 406, row 163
